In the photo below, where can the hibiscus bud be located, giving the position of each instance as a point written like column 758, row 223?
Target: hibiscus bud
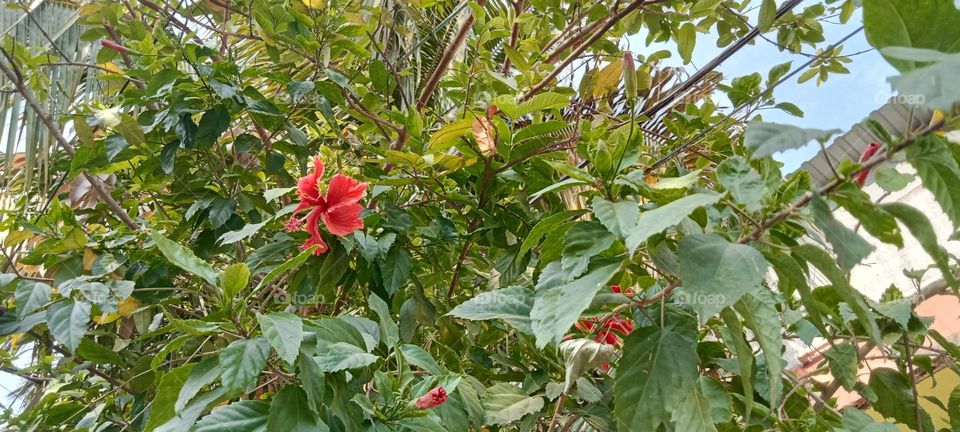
column 861, row 177
column 433, row 398
column 113, row 45
column 629, row 76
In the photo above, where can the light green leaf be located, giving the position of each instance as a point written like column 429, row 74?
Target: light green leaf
column 162, row 406
column 876, row 221
column 241, row 363
column 511, row 304
column 743, row 182
column 693, row 414
column 849, row 246
column 656, row 220
column 342, row 355
column 287, row 265
column 890, row 179
column 240, row 416
column 657, row 371
column 446, row 136
column 686, row 41
column 583, row 241
column 184, row 258
column 716, row 273
column 421, row 358
column 541, row 102
column 31, row 295
column 290, row 412
column 938, row 170
column 744, row 358
column 284, row 331
column 544, row 227
column 505, row 403
column 620, row 217
column 929, row 24
column 234, row 279
column 582, row 355
column 272, row 194
column 921, row 229
column 683, row 182
column 203, row 374
column 388, row 327
column 934, row 86
column 558, row 304
column 768, row 14
column 759, row 311
column 765, row 139
column 67, row 321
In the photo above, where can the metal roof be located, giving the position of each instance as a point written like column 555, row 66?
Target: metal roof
column 893, row 116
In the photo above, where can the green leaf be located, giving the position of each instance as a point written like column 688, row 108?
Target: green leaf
column 396, row 269
column 686, row 41
column 744, row 358
column 290, row 412
column 895, row 399
column 855, row 420
column 620, row 217
column 419, row 357
column 583, row 241
column 131, row 131
column 656, row 220
column 287, row 265
column 184, row 258
column 67, row 321
column 826, row 264
column 744, row 183
column 935, row 86
column 96, row 353
column 240, row 416
column 694, row 414
column 284, row 331
column 162, row 406
column 220, row 211
column 876, row 221
column 31, row 296
column 558, row 304
column 541, row 102
column 764, row 139
column 544, row 227
column 241, row 363
column 768, row 14
column 759, row 311
column 512, row 305
column 954, row 409
column 927, row 24
column 843, row 364
column 213, row 123
column 341, row 356
column 657, row 371
column 937, row 168
column 849, row 246
column 234, row 279
column 505, row 403
column 716, row 273
column 446, row 136
column 204, row 373
column 921, row 229
column 790, row 276
column 580, row 356
column 891, row 180
column 388, row 328
column 313, row 381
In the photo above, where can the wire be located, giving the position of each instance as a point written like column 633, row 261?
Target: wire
column 764, row 93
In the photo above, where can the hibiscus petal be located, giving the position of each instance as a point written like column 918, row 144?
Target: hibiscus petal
column 344, row 190
column 343, row 219
column 313, row 227
column 307, row 186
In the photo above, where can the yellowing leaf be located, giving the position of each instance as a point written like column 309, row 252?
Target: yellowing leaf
column 128, row 306
column 608, row 78
column 89, row 256
column 315, row 4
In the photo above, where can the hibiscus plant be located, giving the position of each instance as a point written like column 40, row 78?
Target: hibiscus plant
column 339, row 215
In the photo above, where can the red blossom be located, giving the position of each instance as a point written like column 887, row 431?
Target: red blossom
column 612, row 329
column 433, row 398
column 872, row 149
column 106, row 43
column 339, row 208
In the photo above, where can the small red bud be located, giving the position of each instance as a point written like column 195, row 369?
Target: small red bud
column 433, row 398
column 113, row 45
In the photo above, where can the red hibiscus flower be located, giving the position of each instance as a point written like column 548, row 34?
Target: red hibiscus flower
column 433, row 398
column 612, row 329
column 872, row 149
column 339, row 209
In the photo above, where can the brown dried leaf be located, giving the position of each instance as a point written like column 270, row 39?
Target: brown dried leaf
column 485, row 135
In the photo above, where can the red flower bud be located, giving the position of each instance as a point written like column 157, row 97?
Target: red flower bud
column 113, row 45
column 433, row 398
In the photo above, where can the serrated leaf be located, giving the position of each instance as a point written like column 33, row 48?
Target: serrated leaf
column 694, row 414
column 876, row 221
column 657, row 371
column 921, row 229
column 395, row 269
column 234, row 279
column 583, row 241
column 342, row 355
column 201, row 375
column 511, row 304
column 419, row 357
column 284, row 331
column 938, row 170
column 544, row 227
column 765, row 139
column 286, row 266
column 716, row 273
column 505, row 403
column 184, row 258
column 842, row 360
column 656, row 220
column 240, row 416
column 759, row 310
column 768, row 14
column 744, row 183
column 619, row 218
column 891, row 180
column 67, row 321
column 162, row 406
column 558, row 304
column 448, row 134
column 895, row 399
column 241, row 363
column 388, row 328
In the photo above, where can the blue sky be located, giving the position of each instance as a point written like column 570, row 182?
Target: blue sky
column 841, row 102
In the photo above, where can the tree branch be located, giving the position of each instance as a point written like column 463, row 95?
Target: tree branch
column 445, row 60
